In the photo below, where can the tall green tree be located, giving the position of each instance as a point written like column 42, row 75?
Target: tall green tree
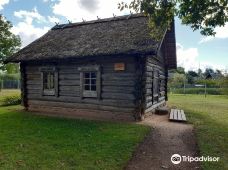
column 9, row 44
column 203, row 15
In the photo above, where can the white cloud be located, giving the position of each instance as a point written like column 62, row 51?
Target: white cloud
column 25, row 29
column 189, row 59
column 2, row 3
column 221, row 33
column 87, row 9
column 28, row 32
column 53, row 19
column 29, row 16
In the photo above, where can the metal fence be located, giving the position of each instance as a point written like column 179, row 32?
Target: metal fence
column 196, row 89
column 10, row 84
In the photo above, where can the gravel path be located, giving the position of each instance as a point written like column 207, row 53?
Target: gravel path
column 165, row 139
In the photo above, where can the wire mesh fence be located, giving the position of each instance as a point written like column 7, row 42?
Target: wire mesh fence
column 10, row 84
column 202, row 89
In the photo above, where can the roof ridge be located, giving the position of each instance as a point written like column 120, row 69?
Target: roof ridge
column 114, row 18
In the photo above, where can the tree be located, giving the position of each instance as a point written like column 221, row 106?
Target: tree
column 9, row 44
column 177, row 80
column 200, row 15
column 192, row 73
column 209, row 73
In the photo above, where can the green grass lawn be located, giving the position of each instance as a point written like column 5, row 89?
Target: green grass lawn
column 210, row 119
column 38, row 142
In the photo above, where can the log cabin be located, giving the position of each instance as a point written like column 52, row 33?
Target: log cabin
column 103, row 69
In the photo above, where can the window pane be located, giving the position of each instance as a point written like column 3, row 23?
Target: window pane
column 93, row 75
column 86, row 75
column 93, row 82
column 87, row 81
column 86, row 87
column 48, row 80
column 93, row 88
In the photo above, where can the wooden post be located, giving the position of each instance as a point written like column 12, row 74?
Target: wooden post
column 166, row 84
column 205, row 90
column 140, row 88
column 184, row 88
column 24, row 101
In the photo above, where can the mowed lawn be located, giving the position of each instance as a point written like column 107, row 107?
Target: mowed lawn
column 37, row 142
column 210, row 119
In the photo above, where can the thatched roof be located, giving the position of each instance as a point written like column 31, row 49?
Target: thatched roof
column 112, row 36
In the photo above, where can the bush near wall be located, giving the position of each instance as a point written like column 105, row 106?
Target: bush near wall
column 10, row 97
column 11, row 100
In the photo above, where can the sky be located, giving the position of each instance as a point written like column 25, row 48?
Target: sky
column 33, row 18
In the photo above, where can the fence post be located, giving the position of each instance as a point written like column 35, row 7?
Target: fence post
column 18, row 84
column 2, row 84
column 205, row 90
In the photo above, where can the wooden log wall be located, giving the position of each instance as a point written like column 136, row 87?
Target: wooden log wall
column 117, row 87
column 155, row 86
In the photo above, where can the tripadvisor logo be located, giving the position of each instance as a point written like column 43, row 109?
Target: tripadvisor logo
column 176, row 159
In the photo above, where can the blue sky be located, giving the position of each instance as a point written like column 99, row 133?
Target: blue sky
column 33, row 18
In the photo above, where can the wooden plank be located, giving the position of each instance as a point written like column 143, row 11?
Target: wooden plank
column 183, row 115
column 179, row 117
column 171, row 114
column 175, row 114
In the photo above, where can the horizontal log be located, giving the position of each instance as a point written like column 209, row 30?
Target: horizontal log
column 33, row 82
column 149, row 68
column 149, row 74
column 69, row 93
column 162, row 93
column 33, row 76
column 154, row 106
column 33, row 87
column 69, row 76
column 69, row 88
column 118, row 83
column 118, row 89
column 161, row 98
column 148, row 91
column 69, row 70
column 117, row 77
column 148, row 85
column 33, row 91
column 118, row 96
column 69, row 82
column 80, row 106
column 76, row 99
column 149, row 104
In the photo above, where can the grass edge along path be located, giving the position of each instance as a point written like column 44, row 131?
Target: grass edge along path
column 210, row 119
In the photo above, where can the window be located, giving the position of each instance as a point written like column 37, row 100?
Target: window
column 90, row 85
column 155, row 86
column 49, row 78
column 90, row 81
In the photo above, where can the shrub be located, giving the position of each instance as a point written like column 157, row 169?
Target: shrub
column 11, row 100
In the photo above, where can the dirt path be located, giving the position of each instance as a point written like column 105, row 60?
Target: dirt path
column 166, row 138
